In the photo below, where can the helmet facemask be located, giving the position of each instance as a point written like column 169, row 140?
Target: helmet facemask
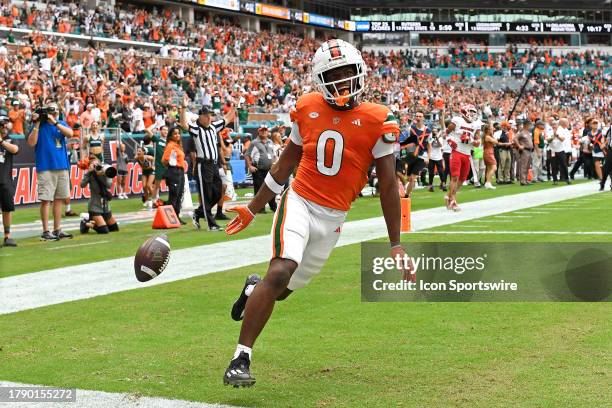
column 469, row 113
column 342, row 92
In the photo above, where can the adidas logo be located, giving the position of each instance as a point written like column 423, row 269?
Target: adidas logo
column 356, row 122
column 337, row 230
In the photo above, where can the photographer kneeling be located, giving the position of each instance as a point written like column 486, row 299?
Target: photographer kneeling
column 100, row 178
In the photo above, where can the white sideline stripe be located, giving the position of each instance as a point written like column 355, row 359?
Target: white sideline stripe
column 534, row 212
column 77, row 282
column 75, row 245
column 512, row 216
column 579, row 208
column 494, row 221
column 518, row 232
column 89, row 399
column 465, row 226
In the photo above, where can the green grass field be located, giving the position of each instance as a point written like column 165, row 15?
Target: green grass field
column 31, row 255
column 323, row 346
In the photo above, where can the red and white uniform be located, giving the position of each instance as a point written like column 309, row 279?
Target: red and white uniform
column 463, row 136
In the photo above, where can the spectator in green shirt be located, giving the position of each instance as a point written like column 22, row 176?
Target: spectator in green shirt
column 159, row 141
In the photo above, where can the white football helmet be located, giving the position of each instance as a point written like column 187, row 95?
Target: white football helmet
column 333, row 54
column 469, row 112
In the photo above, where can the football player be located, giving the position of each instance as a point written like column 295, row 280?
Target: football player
column 463, row 133
column 334, row 139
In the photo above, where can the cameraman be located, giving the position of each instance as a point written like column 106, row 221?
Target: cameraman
column 48, row 137
column 99, row 178
column 7, row 188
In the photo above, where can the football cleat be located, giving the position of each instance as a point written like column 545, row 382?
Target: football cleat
column 195, row 221
column 238, row 373
column 447, row 201
column 454, row 206
column 240, row 303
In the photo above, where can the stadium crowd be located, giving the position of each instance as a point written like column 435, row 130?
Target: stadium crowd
column 138, row 91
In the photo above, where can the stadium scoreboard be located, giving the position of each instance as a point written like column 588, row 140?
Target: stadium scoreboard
column 483, row 27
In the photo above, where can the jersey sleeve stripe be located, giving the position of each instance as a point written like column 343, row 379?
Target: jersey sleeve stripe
column 277, row 250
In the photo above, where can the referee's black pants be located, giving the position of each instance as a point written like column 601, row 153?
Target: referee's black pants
column 209, row 188
column 606, row 169
column 258, row 180
column 175, row 179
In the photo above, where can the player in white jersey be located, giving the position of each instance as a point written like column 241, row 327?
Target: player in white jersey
column 463, row 133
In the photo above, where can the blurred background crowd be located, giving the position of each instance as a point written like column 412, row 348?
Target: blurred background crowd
column 140, row 88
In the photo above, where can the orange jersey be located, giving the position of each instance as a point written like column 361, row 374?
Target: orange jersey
column 338, row 148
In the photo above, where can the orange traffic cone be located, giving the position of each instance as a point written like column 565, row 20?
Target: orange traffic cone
column 165, row 218
column 405, row 226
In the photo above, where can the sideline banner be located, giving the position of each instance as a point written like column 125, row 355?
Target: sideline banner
column 26, row 180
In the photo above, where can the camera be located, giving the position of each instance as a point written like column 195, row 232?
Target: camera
column 109, row 171
column 43, row 113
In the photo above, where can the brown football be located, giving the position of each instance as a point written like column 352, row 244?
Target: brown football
column 151, row 258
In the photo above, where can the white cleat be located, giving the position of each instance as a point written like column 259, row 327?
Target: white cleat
column 447, row 202
column 454, row 206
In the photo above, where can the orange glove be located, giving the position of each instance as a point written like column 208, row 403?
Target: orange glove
column 241, row 221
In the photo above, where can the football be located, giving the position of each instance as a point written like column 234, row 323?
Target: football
column 151, row 258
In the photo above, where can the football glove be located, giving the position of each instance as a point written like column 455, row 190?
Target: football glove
column 241, row 221
column 452, row 143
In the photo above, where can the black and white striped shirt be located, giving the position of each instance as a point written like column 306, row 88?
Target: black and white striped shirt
column 206, row 140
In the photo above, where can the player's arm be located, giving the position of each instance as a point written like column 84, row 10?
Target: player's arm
column 183, row 114
column 390, row 203
column 450, row 128
column 148, row 134
column 273, row 185
column 280, row 172
column 389, row 196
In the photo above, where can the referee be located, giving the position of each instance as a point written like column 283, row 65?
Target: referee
column 205, row 158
